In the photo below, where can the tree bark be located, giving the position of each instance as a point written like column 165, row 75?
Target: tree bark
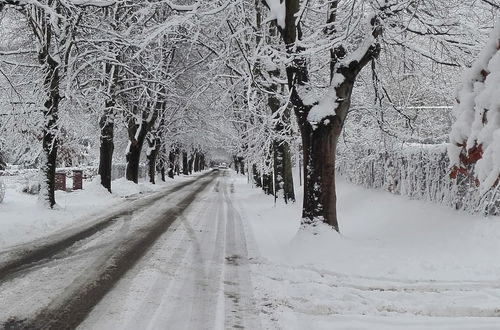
column 106, row 124
column 185, row 166
column 153, row 149
column 256, row 176
column 51, row 124
column 196, row 161
column 202, row 162
column 171, row 163
column 267, row 183
column 241, row 162
column 50, row 142
column 236, row 164
column 162, row 169
column 137, row 135
column 191, row 163
column 177, row 161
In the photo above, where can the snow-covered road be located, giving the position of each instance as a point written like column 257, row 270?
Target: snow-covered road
column 184, row 256
column 196, row 276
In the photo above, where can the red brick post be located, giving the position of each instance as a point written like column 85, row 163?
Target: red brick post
column 61, row 181
column 77, row 179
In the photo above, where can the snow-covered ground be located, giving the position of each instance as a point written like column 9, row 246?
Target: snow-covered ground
column 23, row 218
column 398, row 264
column 234, row 255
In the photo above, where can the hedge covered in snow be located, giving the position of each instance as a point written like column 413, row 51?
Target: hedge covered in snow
column 418, row 171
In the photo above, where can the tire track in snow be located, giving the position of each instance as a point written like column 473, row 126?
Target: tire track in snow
column 240, row 310
column 70, row 308
column 20, row 259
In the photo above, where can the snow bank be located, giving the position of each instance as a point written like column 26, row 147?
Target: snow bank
column 23, row 219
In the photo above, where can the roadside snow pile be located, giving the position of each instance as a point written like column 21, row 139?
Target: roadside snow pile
column 23, row 219
column 123, row 187
column 397, row 264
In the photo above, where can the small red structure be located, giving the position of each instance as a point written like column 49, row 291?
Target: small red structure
column 77, row 179
column 60, row 181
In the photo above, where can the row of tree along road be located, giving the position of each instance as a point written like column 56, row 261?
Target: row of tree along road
column 264, row 83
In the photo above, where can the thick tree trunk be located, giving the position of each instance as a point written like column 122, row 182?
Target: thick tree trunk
column 185, row 166
column 162, row 169
column 196, row 161
column 267, row 184
column 106, row 124
column 50, row 128
column 202, row 162
column 319, row 176
column 50, row 145
column 283, row 180
column 137, row 134
column 256, row 176
column 153, row 149
column 241, row 161
column 177, row 162
column 171, row 163
column 236, row 164
column 191, row 163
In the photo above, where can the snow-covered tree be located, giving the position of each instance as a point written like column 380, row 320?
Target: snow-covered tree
column 475, row 136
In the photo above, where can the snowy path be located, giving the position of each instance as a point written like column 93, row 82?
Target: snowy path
column 58, row 291
column 196, row 276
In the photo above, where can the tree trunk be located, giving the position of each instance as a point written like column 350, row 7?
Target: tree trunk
column 320, row 198
column 202, row 162
column 267, row 183
column 177, row 161
column 106, row 124
column 236, row 164
column 153, row 149
column 185, row 166
column 283, row 180
column 137, row 134
column 50, row 128
column 50, row 145
column 171, row 163
column 256, row 176
column 191, row 163
column 196, row 161
column 162, row 169
column 241, row 162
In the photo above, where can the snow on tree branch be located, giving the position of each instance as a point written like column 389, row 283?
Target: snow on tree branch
column 475, row 136
column 277, row 12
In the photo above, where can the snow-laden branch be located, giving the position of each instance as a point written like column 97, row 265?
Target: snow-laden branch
column 475, row 135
